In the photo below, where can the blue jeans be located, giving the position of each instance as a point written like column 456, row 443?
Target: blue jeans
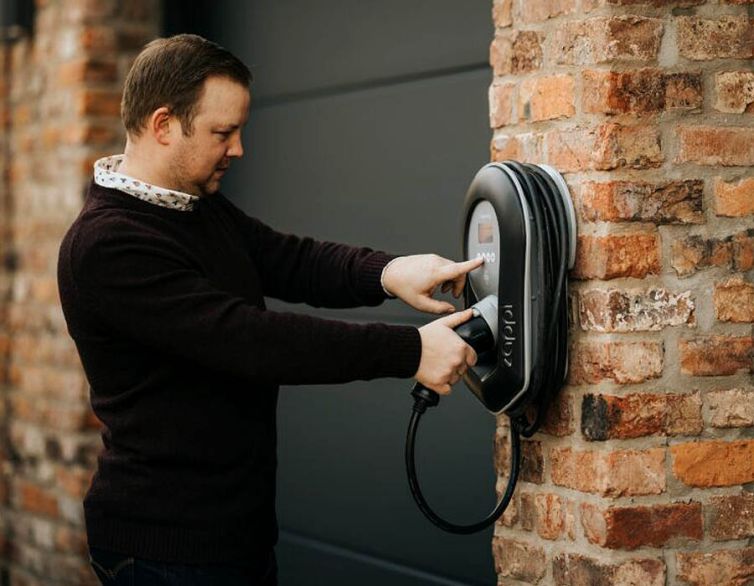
column 117, row 569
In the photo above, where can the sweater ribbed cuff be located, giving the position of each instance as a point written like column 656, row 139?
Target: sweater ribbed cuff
column 370, row 277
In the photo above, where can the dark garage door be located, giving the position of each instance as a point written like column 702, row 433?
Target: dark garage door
column 368, row 122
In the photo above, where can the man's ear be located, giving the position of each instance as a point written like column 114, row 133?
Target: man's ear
column 159, row 125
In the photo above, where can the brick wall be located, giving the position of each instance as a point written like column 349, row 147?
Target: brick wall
column 60, row 93
column 643, row 472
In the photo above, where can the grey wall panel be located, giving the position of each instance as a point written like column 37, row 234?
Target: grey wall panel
column 304, row 45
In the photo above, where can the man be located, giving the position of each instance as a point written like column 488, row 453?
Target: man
column 162, row 282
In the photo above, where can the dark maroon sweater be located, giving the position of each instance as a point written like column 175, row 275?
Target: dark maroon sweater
column 166, row 308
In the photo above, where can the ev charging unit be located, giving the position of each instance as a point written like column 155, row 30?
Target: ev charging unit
column 520, row 218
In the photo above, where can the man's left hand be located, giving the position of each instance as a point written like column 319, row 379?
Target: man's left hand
column 414, row 280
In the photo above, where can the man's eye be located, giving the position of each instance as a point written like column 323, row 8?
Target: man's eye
column 223, row 133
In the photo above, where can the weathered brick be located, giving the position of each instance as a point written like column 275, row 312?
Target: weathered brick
column 643, row 91
column 624, row 362
column 544, row 9
column 714, row 463
column 501, row 96
column 675, row 202
column 559, row 418
column 617, row 255
column 734, row 567
column 88, row 70
column 734, row 300
column 516, row 52
column 638, row 526
column 550, row 516
column 716, row 355
column 606, row 417
column 703, row 39
column 518, row 560
column 621, row 310
column 519, row 147
column 614, row 474
column 589, row 5
column 532, row 460
column 730, row 516
column 88, row 133
column 694, row 253
column 34, row 499
column 605, row 147
column 501, row 13
column 613, row 39
column 735, row 198
column 731, row 407
column 546, row 98
column 713, row 145
column 571, row 569
column 734, row 91
column 99, row 103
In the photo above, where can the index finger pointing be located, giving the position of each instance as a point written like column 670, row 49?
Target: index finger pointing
column 461, row 268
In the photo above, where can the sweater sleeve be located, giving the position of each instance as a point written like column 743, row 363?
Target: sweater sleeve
column 321, row 274
column 142, row 289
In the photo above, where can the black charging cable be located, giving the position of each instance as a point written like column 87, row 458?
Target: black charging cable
column 549, row 218
column 424, row 398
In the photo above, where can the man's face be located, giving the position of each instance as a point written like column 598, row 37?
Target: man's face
column 199, row 161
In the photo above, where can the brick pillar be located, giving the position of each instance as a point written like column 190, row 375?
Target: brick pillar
column 643, row 472
column 64, row 95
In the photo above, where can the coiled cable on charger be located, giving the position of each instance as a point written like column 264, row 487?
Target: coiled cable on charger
column 549, row 219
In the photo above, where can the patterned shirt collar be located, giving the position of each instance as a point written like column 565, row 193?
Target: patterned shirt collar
column 106, row 175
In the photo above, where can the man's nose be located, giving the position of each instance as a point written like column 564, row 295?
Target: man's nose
column 236, row 148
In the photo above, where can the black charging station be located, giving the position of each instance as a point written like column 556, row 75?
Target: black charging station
column 520, row 218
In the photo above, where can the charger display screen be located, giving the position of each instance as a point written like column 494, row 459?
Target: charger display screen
column 485, row 233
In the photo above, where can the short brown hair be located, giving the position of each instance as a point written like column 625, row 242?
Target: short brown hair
column 171, row 72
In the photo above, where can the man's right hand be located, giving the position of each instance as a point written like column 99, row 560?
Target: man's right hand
column 445, row 356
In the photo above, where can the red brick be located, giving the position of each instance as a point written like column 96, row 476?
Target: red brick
column 520, row 147
column 99, row 103
column 695, row 253
column 544, row 9
column 639, row 526
column 730, row 516
column 532, row 460
column 90, row 133
column 714, row 463
column 605, row 147
column 501, row 96
column 98, row 39
column 606, row 417
column 546, row 98
column 729, row 37
column 712, row 145
column 716, row 355
column 550, row 516
column 559, row 418
column 516, row 52
column 632, row 310
column 675, row 202
column 734, row 300
column 73, row 481
column 34, row 499
column 571, row 569
column 518, row 560
column 501, row 13
column 731, row 407
column 734, row 91
column 614, row 474
column 617, row 255
column 613, row 39
column 735, row 198
column 88, row 70
column 734, row 567
column 623, row 362
column 643, row 91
